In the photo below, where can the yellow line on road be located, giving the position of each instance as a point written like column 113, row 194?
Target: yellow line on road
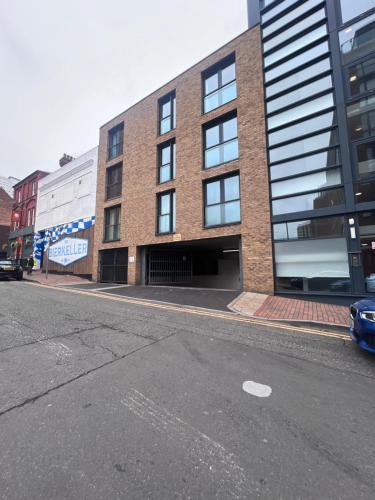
column 199, row 312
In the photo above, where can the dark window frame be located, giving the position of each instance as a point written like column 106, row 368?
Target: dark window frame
column 118, row 225
column 346, row 76
column 171, row 213
column 354, row 158
column 109, row 170
column 218, row 68
column 118, row 146
column 221, row 178
column 219, row 122
column 171, row 98
column 172, row 165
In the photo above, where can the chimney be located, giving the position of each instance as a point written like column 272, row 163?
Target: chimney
column 65, row 159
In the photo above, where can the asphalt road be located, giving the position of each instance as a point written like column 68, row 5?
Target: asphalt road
column 103, row 398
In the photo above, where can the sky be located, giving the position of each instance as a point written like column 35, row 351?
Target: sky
column 69, row 66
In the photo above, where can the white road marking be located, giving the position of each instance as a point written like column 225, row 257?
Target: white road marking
column 255, row 389
column 230, row 477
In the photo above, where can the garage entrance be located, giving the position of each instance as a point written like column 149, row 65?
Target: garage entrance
column 211, row 263
column 114, row 266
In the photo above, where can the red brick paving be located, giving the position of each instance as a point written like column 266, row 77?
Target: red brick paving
column 54, row 279
column 283, row 308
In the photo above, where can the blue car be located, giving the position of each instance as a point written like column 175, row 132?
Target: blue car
column 362, row 327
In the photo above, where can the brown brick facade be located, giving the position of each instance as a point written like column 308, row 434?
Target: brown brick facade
column 5, row 214
column 139, row 189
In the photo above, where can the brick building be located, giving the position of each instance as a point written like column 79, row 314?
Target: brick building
column 6, row 203
column 182, row 190
column 21, row 237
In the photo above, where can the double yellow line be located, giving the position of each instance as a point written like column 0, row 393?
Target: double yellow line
column 200, row 312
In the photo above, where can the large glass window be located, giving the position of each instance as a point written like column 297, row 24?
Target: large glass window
column 112, row 223
column 306, row 164
column 361, row 118
column 115, row 141
column 300, row 94
column 320, row 141
column 222, row 201
column 311, row 201
column 326, row 227
column 295, row 45
column 366, row 223
column 353, row 8
column 362, row 77
column 167, row 212
column 358, row 40
column 167, row 113
column 316, row 181
column 294, row 62
column 221, row 142
column 277, row 9
column 302, row 128
column 365, row 159
column 220, row 85
column 364, row 191
column 306, row 109
column 291, row 16
column 294, row 30
column 167, row 161
column 313, row 265
column 114, row 181
column 299, row 77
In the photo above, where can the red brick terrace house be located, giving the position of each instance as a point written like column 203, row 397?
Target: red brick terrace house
column 21, row 237
column 6, row 203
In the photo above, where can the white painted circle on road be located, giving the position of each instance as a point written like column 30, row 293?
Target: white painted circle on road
column 255, row 389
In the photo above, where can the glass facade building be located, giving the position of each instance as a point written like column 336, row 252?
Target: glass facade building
column 319, row 90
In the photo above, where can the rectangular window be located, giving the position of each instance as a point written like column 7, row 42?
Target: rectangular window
column 166, row 212
column 307, row 145
column 298, row 112
column 295, row 62
column 309, row 182
column 222, row 201
column 112, row 223
column 365, row 159
column 33, row 188
column 362, row 78
column 306, row 164
column 296, row 45
column 358, row 40
column 221, row 142
column 298, row 78
column 313, row 265
column 364, row 191
column 303, row 128
column 220, row 84
column 114, row 181
column 115, row 141
column 277, row 9
column 289, row 17
column 311, row 201
column 326, row 227
column 299, row 94
column 353, row 8
column 167, row 113
column 167, row 161
column 361, row 118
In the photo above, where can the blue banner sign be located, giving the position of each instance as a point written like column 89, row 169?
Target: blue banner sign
column 68, row 250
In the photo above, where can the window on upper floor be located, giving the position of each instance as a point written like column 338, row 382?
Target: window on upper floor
column 357, row 40
column 115, row 141
column 112, row 223
column 167, row 113
column 361, row 77
column 220, row 142
column 167, row 161
column 222, row 201
column 353, row 8
column 219, row 84
column 114, row 181
column 33, row 188
column 166, row 212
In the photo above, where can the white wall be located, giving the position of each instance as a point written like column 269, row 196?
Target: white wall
column 69, row 193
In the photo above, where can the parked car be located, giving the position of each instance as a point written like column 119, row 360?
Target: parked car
column 11, row 269
column 362, row 328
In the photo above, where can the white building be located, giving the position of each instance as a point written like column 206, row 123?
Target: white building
column 66, row 209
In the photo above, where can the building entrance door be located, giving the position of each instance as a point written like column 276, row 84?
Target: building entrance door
column 366, row 223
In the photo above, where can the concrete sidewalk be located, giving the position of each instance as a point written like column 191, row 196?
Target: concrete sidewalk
column 54, row 279
column 271, row 307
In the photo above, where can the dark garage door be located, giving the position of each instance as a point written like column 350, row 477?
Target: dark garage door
column 114, row 266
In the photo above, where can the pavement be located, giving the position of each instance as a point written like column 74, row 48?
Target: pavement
column 108, row 397
column 250, row 304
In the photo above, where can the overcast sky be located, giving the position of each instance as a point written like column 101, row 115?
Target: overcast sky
column 68, row 66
